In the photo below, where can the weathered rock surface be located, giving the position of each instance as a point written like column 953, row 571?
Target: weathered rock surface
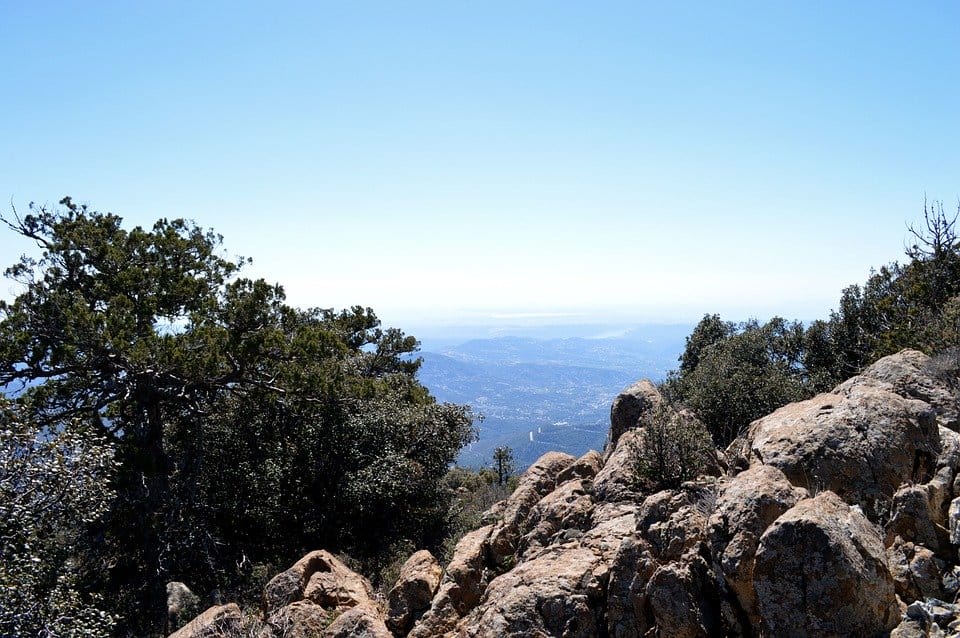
column 748, row 505
column 615, row 481
column 222, row 621
column 837, row 516
column 320, row 596
column 320, row 578
column 413, row 591
column 629, row 407
column 821, row 568
column 557, row 593
column 362, row 621
column 863, row 445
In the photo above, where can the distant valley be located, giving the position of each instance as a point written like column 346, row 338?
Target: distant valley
column 537, row 394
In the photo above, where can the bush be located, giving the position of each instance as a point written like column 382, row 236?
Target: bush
column 53, row 484
column 673, row 447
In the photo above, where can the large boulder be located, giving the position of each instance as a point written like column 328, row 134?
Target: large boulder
column 684, row 601
column 569, row 507
column 747, row 506
column 914, row 375
column 413, row 591
column 461, row 587
column 586, row 467
column 862, row 445
column 539, row 480
column 362, row 621
column 301, row 601
column 616, row 480
column 222, row 621
column 558, row 593
column 629, row 408
column 321, row 578
column 821, row 569
column 627, row 603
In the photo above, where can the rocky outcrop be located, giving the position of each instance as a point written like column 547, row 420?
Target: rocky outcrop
column 320, row 596
column 862, row 445
column 413, row 591
column 839, row 515
column 629, row 407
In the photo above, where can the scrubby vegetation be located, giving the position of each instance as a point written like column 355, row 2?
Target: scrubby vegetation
column 673, row 447
column 246, row 432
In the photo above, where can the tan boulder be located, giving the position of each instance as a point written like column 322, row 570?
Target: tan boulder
column 222, row 621
column 569, row 507
column 539, row 480
column 863, row 445
column 616, row 480
column 609, row 525
column 675, row 521
column 321, row 578
column 461, row 587
column 749, row 503
column 629, row 407
column 362, row 621
column 557, row 593
column 914, row 375
column 413, row 591
column 821, row 569
column 586, row 467
column 682, row 600
column 627, row 603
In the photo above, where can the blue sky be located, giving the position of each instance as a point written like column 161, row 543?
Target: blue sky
column 456, row 161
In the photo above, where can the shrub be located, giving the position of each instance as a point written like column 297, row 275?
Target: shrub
column 673, row 448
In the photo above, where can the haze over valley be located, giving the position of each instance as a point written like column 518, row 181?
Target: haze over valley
column 541, row 388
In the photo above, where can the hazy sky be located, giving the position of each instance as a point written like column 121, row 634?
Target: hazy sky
column 458, row 160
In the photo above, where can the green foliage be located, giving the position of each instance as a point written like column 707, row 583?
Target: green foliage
column 472, row 494
column 54, row 483
column 247, row 431
column 503, row 464
column 742, row 376
column 673, row 447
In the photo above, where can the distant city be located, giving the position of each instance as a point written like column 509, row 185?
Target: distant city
column 546, row 387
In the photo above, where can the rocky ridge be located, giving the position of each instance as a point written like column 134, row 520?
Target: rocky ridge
column 839, row 515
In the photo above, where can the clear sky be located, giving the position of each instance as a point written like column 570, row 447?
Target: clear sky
column 459, row 160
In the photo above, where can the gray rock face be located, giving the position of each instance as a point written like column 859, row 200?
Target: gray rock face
column 821, row 569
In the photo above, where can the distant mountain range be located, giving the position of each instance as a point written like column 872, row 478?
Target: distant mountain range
column 553, row 393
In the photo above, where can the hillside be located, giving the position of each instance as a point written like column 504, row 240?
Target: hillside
column 542, row 394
